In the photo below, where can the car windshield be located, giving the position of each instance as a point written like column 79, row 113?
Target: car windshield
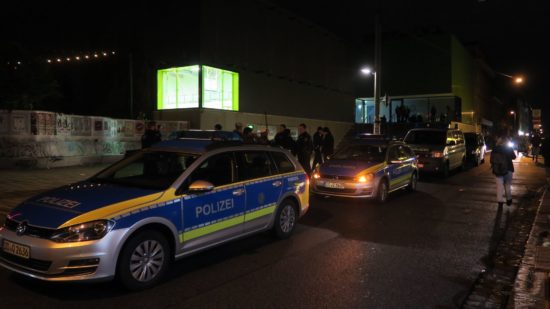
column 369, row 153
column 149, row 170
column 426, row 137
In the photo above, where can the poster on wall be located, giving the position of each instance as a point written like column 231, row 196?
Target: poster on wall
column 45, row 123
column 81, row 126
column 63, row 124
column 20, row 123
column 129, row 128
column 140, row 128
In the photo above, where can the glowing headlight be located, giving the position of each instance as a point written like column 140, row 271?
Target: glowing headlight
column 364, row 178
column 511, row 144
column 316, row 175
column 83, row 232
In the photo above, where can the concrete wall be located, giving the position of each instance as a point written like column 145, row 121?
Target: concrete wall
column 209, row 117
column 47, row 139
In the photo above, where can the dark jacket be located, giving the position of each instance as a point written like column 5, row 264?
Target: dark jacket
column 317, row 142
column 508, row 152
column 149, row 138
column 304, row 145
column 328, row 145
column 284, row 140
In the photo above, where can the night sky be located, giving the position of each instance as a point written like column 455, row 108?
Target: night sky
column 512, row 34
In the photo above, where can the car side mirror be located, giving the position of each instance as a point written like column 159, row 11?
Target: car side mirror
column 199, row 186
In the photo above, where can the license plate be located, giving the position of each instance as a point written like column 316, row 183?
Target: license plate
column 16, row 249
column 420, row 165
column 334, row 185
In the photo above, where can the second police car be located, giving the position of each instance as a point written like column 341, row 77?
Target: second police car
column 133, row 218
column 367, row 168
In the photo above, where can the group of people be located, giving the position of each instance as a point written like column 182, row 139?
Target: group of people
column 403, row 114
column 320, row 146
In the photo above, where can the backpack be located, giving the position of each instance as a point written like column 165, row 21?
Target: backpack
column 499, row 163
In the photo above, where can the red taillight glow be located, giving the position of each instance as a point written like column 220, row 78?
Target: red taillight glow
column 316, row 176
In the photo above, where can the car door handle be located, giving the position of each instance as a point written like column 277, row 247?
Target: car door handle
column 238, row 192
column 277, row 183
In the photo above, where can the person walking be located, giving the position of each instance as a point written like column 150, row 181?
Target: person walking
column 535, row 147
column 304, row 148
column 502, row 165
column 328, row 143
column 317, row 147
column 151, row 135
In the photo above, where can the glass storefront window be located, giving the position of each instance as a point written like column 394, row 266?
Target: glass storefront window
column 220, row 89
column 179, row 88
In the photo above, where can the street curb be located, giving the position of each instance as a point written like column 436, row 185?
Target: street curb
column 529, row 284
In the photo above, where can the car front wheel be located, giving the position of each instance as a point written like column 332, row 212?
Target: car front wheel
column 143, row 260
column 382, row 192
column 285, row 219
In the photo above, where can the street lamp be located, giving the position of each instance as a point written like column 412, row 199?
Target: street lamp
column 376, row 127
column 513, row 113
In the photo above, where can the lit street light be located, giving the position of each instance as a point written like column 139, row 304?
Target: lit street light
column 376, row 128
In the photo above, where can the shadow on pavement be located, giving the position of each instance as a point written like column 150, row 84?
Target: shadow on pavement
column 398, row 223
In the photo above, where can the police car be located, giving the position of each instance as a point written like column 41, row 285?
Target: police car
column 133, row 218
column 367, row 168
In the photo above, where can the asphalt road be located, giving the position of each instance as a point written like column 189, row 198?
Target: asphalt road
column 420, row 250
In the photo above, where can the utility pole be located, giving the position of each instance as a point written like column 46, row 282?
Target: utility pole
column 131, row 75
column 377, row 75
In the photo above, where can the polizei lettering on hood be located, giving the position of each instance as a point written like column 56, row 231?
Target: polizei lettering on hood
column 213, row 208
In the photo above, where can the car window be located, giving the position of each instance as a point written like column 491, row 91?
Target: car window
column 405, row 153
column 368, row 153
column 254, row 164
column 282, row 162
column 393, row 154
column 459, row 137
column 427, row 137
column 153, row 170
column 218, row 170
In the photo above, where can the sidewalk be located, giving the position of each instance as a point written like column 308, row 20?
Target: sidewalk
column 529, row 287
column 16, row 185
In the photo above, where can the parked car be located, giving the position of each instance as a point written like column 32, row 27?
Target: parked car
column 438, row 150
column 367, row 168
column 475, row 148
column 131, row 220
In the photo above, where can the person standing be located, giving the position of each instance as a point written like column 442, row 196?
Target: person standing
column 238, row 129
column 218, row 127
column 328, row 143
column 284, row 140
column 151, row 135
column 304, row 148
column 317, row 147
column 248, row 136
column 502, row 165
column 535, row 147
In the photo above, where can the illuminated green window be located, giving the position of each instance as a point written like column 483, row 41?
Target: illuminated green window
column 178, row 87
column 220, row 89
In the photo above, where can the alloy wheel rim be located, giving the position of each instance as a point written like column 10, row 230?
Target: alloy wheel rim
column 147, row 260
column 288, row 219
column 384, row 192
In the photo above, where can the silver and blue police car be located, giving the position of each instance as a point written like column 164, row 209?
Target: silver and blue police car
column 174, row 199
column 367, row 168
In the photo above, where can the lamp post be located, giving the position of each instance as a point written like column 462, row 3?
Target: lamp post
column 376, row 127
column 513, row 113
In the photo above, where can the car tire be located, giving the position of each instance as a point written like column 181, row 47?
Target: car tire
column 285, row 219
column 445, row 171
column 144, row 260
column 413, row 183
column 463, row 164
column 382, row 192
column 477, row 160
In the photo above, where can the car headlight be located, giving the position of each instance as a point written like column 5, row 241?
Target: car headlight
column 83, row 232
column 364, row 178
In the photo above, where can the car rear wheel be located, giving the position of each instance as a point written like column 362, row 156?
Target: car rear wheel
column 445, row 170
column 413, row 183
column 382, row 192
column 144, row 260
column 285, row 219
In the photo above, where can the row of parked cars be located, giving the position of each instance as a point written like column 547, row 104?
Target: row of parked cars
column 182, row 196
column 372, row 167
